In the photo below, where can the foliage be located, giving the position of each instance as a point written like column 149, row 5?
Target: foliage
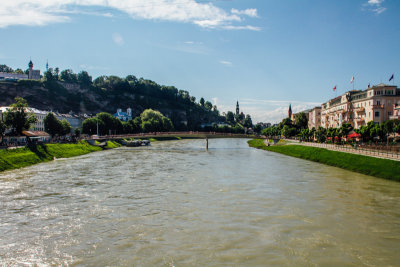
column 3, row 128
column 89, row 126
column 154, row 121
column 5, row 68
column 248, row 122
column 301, row 121
column 52, row 125
column 384, row 168
column 66, row 127
column 110, row 124
column 18, row 117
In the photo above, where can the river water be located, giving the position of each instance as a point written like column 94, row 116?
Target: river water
column 174, row 204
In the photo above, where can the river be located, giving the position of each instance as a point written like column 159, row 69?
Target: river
column 175, row 204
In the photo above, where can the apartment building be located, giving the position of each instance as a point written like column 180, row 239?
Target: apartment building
column 358, row 107
column 314, row 118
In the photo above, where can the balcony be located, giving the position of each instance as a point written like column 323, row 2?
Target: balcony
column 378, row 106
column 359, row 110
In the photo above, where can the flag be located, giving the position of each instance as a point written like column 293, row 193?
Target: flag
column 334, row 88
column 352, row 79
column 391, row 77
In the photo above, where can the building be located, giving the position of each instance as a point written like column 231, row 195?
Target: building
column 290, row 111
column 358, row 107
column 13, row 76
column 74, row 120
column 294, row 116
column 124, row 116
column 33, row 74
column 237, row 108
column 314, row 118
column 396, row 112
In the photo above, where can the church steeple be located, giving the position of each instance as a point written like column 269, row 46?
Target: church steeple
column 30, row 64
column 290, row 111
column 237, row 107
column 47, row 65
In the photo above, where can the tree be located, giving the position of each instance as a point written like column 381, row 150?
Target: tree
column 50, row 75
column 84, row 78
column 208, row 105
column 202, row 102
column 110, row 124
column 301, row 121
column 3, row 128
column 89, row 126
column 320, row 134
column 68, row 76
column 52, row 125
column 5, row 68
column 248, row 122
column 19, row 71
column 18, row 117
column 66, row 127
column 154, row 121
column 230, row 118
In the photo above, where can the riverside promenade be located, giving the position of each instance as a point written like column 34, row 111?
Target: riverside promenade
column 376, row 153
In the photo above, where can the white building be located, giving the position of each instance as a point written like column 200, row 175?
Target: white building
column 314, row 118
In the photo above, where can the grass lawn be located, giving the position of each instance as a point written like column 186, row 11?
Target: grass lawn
column 383, row 168
column 22, row 157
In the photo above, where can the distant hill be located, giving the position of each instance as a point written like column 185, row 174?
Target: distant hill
column 107, row 94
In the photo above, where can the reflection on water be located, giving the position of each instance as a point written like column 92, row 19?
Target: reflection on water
column 175, row 204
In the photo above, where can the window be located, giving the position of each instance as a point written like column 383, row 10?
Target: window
column 376, row 113
column 378, row 102
column 389, row 113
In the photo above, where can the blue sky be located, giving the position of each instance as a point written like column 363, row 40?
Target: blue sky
column 264, row 53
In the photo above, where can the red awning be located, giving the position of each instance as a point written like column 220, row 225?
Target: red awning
column 354, row 135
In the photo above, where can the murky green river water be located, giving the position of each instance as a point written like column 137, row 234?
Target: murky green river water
column 174, row 204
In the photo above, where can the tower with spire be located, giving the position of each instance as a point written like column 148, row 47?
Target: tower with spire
column 33, row 74
column 47, row 65
column 290, row 111
column 237, row 108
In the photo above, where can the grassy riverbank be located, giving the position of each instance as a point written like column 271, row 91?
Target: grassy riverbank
column 382, row 168
column 22, row 157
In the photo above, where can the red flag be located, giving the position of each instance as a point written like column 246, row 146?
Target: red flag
column 352, row 79
column 334, row 88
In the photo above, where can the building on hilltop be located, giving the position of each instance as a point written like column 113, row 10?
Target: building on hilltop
column 33, row 74
column 124, row 116
column 358, row 107
column 290, row 111
column 237, row 108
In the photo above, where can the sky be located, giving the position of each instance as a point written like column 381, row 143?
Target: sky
column 266, row 54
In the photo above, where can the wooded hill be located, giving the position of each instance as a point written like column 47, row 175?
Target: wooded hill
column 67, row 92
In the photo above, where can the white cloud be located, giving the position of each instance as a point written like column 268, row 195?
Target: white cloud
column 117, row 38
column 226, row 63
column 43, row 12
column 251, row 12
column 379, row 10
column 375, row 6
column 375, row 2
